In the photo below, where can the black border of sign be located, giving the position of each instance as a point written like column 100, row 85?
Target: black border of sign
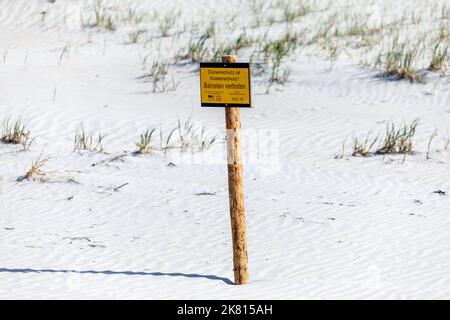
column 243, row 65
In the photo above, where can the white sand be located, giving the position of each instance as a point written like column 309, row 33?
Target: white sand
column 318, row 227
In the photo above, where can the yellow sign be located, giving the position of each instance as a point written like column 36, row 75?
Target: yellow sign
column 225, row 85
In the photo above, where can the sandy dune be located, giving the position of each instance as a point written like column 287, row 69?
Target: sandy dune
column 318, row 227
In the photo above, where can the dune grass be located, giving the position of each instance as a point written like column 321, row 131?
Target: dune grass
column 14, row 131
column 86, row 142
column 395, row 140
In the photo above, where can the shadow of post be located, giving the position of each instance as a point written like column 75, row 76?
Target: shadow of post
column 128, row 273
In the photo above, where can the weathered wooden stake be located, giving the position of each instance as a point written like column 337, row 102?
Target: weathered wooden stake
column 236, row 190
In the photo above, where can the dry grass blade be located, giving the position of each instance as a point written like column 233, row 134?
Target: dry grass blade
column 363, row 148
column 35, row 172
column 169, row 137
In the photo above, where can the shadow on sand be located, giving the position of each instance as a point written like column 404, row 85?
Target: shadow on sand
column 127, row 273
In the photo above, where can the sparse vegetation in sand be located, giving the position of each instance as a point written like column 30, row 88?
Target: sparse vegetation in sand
column 395, row 140
column 398, row 62
column 185, row 136
column 167, row 23
column 192, row 137
column 400, row 45
column 158, row 75
column 439, row 58
column 363, row 147
column 398, row 140
column 196, row 50
column 103, row 19
column 275, row 54
column 16, row 132
column 86, row 142
column 144, row 144
column 136, row 35
column 432, row 136
column 35, row 172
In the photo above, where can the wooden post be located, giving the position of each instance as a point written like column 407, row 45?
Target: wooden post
column 236, row 190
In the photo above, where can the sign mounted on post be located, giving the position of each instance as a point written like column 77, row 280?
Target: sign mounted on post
column 225, row 84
